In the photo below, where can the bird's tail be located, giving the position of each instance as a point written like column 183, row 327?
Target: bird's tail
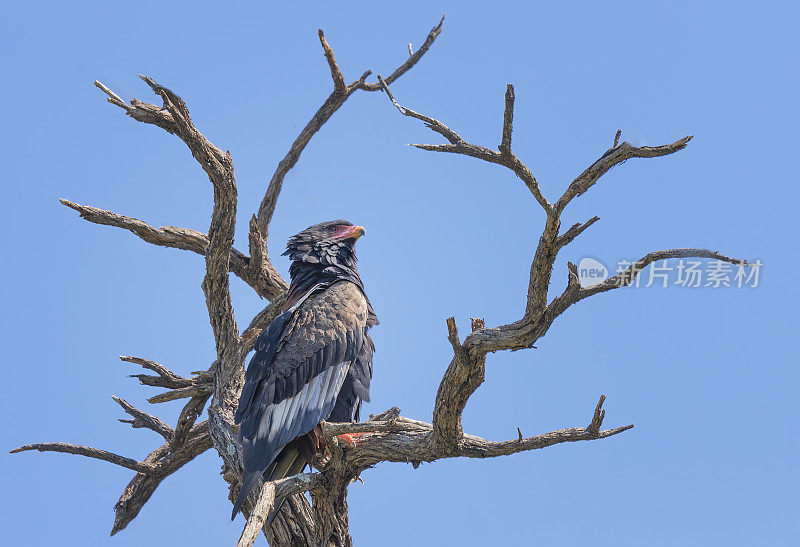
column 248, row 482
column 290, row 461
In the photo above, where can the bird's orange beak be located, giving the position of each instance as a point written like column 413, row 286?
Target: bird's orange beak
column 347, row 232
column 355, row 232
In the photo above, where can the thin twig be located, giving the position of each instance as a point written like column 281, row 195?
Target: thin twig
column 627, row 276
column 141, row 111
column 458, row 146
column 452, row 337
column 143, row 419
column 411, row 61
column 336, row 74
column 508, row 120
column 431, row 123
column 171, row 380
column 113, row 98
column 191, row 411
column 141, row 488
column 198, row 390
column 616, row 155
column 574, row 231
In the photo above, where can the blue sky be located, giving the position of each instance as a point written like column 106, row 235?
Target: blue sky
column 709, row 376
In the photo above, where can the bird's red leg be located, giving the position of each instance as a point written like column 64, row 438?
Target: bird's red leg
column 350, row 438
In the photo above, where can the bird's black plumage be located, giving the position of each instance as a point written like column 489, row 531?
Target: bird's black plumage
column 313, row 362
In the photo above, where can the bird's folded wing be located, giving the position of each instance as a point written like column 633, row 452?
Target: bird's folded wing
column 300, row 363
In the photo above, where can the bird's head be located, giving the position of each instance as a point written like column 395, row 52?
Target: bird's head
column 327, row 243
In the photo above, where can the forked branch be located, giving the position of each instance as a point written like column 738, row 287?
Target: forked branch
column 143, row 419
column 259, row 231
column 466, row 370
column 616, row 155
column 459, row 146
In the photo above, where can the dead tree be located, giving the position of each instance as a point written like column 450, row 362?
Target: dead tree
column 392, row 438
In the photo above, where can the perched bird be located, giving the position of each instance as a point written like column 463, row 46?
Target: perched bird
column 312, row 363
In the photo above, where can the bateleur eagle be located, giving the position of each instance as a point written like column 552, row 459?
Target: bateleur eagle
column 312, row 363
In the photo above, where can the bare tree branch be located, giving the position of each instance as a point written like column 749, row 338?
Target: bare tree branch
column 434, row 125
column 264, row 278
column 174, row 117
column 261, row 274
column 137, row 493
column 256, row 520
column 395, row 438
column 411, row 61
column 166, row 236
column 219, row 167
column 574, row 231
column 508, row 121
column 186, row 420
column 627, row 276
column 142, row 112
column 142, row 486
column 113, row 98
column 458, row 146
column 271, row 494
column 199, row 390
column 616, row 155
column 89, row 452
column 156, row 467
column 180, row 388
column 462, row 378
column 525, row 332
column 598, row 417
column 166, row 378
column 178, row 238
column 336, row 74
column 185, row 442
column 143, row 419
